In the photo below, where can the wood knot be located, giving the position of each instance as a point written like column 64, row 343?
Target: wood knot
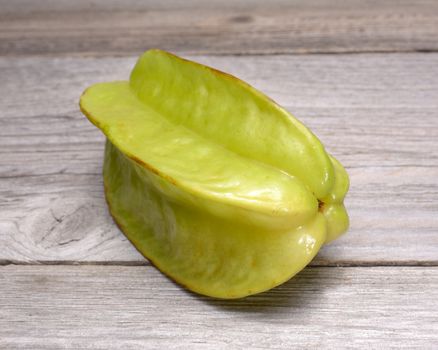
column 241, row 19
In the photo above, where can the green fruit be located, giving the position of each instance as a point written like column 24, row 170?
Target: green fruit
column 221, row 188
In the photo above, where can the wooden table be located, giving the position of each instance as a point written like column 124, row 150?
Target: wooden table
column 363, row 75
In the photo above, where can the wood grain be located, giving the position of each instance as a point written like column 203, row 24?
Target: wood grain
column 105, row 307
column 376, row 113
column 118, row 27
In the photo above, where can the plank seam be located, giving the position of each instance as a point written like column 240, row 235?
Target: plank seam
column 427, row 263
column 221, row 54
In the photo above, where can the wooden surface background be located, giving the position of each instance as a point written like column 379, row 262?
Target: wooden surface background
column 363, row 75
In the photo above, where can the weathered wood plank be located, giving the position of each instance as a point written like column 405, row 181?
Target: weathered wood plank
column 377, row 113
column 34, row 86
column 253, row 27
column 106, row 307
column 53, row 218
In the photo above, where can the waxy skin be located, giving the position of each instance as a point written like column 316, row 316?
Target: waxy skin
column 219, row 187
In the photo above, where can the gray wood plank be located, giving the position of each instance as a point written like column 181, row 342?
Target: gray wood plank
column 118, row 27
column 377, row 113
column 108, row 307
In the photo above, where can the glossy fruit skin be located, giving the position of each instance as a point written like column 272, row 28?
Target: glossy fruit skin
column 222, row 189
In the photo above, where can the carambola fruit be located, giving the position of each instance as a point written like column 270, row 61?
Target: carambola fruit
column 219, row 187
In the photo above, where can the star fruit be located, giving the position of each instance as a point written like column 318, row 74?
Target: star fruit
column 219, row 187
